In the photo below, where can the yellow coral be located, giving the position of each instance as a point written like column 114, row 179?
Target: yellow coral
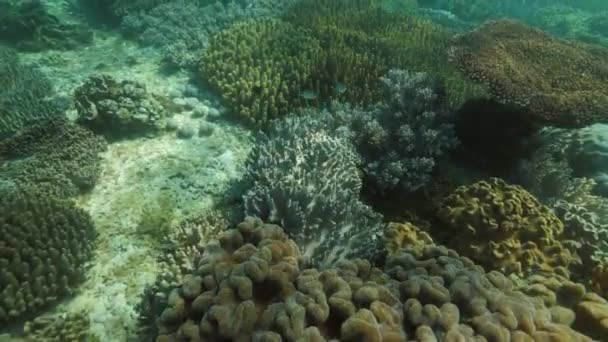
column 401, row 235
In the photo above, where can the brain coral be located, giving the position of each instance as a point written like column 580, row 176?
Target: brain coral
column 249, row 286
column 561, row 83
column 117, row 109
column 44, row 245
column 505, row 228
column 260, row 67
column 53, row 156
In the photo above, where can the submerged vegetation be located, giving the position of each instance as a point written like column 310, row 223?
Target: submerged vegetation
column 303, row 170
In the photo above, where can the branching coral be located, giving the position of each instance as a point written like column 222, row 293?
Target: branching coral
column 561, row 83
column 307, row 181
column 260, row 67
column 24, row 94
column 505, row 228
column 44, row 245
column 52, row 156
column 118, row 109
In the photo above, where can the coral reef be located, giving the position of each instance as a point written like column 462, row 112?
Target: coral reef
column 183, row 30
column 260, row 67
column 401, row 138
column 561, row 83
column 249, row 287
column 118, row 108
column 405, row 235
column 59, row 327
column 52, row 156
column 307, row 181
column 587, row 153
column 362, row 40
column 505, row 228
column 27, row 25
column 44, row 245
column 24, row 94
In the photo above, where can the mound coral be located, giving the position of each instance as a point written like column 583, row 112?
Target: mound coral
column 561, row 83
column 24, row 94
column 249, row 287
column 260, row 67
column 118, row 109
column 52, row 156
column 307, row 181
column 505, row 228
column 44, row 245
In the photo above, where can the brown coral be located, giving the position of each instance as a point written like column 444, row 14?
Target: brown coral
column 505, row 228
column 561, row 83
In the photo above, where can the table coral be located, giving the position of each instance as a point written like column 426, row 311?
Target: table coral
column 44, row 245
column 505, row 228
column 561, row 83
column 118, row 108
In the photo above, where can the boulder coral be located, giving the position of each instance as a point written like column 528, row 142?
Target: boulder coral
column 561, row 83
column 44, row 246
column 250, row 286
column 118, row 108
column 505, row 228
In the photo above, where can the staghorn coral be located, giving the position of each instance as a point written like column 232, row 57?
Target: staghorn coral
column 561, row 83
column 307, row 181
column 505, row 228
column 25, row 94
column 260, row 67
column 249, row 287
column 117, row 109
column 52, row 156
column 44, row 245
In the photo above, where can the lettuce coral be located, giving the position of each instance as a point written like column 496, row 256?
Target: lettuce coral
column 505, row 228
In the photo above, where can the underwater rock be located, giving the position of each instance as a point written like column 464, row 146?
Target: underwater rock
column 118, row 109
column 45, row 245
column 560, row 83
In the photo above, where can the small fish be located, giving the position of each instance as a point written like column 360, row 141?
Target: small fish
column 340, row 88
column 309, row 94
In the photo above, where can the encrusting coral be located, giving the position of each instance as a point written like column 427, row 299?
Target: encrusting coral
column 249, row 286
column 52, row 156
column 505, row 228
column 44, row 245
column 560, row 83
column 118, row 108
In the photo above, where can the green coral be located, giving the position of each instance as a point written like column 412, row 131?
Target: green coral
column 52, row 156
column 260, row 67
column 24, row 94
column 44, row 245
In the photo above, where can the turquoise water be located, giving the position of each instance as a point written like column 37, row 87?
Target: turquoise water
column 303, row 170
